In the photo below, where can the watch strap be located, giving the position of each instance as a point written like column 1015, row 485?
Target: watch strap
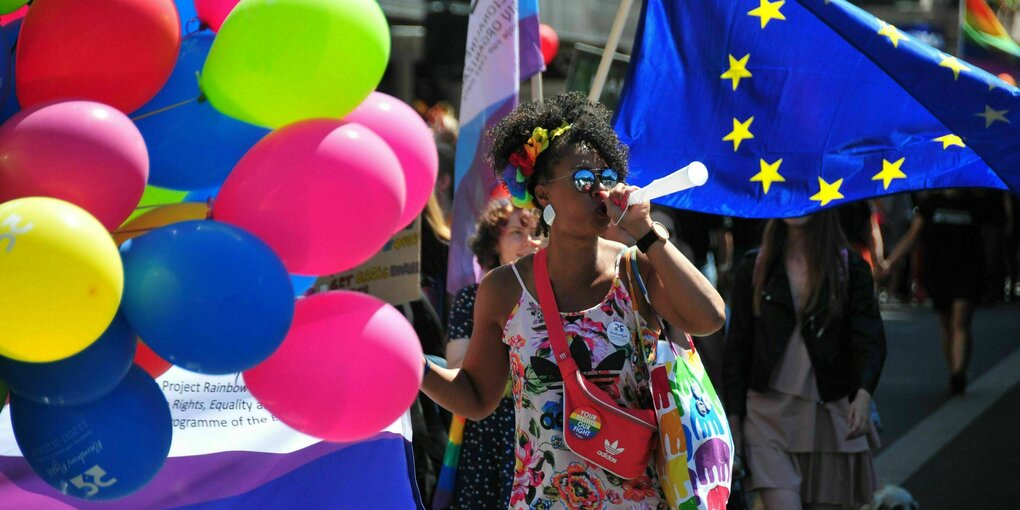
column 647, row 240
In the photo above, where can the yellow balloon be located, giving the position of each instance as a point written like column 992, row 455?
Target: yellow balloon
column 160, row 217
column 61, row 279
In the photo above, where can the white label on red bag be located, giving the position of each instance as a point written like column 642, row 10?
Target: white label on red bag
column 618, row 334
column 585, row 423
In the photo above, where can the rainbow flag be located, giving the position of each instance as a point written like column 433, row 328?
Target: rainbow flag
column 267, row 465
column 984, row 28
column 443, row 496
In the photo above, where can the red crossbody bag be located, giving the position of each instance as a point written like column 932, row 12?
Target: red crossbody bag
column 596, row 428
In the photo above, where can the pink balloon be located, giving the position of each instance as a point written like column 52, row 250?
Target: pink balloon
column 117, row 52
column 7, row 19
column 86, row 153
column 213, row 12
column 325, row 197
column 350, row 365
column 411, row 140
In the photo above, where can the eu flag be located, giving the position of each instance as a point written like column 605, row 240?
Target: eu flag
column 788, row 116
column 982, row 109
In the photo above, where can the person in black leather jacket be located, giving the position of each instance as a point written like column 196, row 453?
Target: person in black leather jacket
column 804, row 353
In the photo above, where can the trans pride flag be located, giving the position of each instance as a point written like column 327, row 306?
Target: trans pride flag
column 502, row 49
column 253, row 462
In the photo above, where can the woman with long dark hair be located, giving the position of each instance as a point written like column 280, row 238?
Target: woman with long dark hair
column 803, row 357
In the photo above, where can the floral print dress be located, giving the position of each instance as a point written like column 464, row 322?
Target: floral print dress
column 547, row 475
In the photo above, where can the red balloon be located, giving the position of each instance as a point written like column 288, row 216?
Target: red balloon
column 117, row 52
column 213, row 12
column 550, row 42
column 149, row 361
column 1008, row 78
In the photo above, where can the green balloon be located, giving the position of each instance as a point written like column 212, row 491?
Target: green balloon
column 9, row 6
column 275, row 62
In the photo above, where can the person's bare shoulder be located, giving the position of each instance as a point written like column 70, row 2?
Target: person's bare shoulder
column 499, row 291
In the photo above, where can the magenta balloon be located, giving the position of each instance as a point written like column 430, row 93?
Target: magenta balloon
column 350, row 366
column 213, row 12
column 84, row 152
column 411, row 140
column 325, row 197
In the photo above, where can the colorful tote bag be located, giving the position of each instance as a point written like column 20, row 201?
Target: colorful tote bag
column 694, row 457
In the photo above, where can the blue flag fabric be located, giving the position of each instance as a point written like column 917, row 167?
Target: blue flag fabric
column 981, row 108
column 787, row 115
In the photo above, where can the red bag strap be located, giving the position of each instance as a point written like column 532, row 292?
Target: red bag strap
column 553, row 322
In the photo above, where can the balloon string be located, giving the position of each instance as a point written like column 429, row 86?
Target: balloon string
column 197, row 22
column 135, row 230
column 165, row 108
column 150, row 206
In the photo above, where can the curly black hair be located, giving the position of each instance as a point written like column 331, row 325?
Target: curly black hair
column 589, row 125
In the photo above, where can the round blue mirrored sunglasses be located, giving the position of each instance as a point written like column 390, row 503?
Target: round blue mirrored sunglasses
column 585, row 178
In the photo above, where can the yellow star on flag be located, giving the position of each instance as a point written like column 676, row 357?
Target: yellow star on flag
column 991, row 116
column 953, row 64
column 827, row 192
column 768, row 11
column 948, row 140
column 889, row 172
column 892, row 33
column 737, row 70
column 769, row 173
column 741, row 131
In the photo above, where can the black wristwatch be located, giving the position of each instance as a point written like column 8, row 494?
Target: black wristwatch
column 657, row 233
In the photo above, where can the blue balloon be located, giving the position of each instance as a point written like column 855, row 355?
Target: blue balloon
column 79, row 379
column 191, row 144
column 206, row 296
column 105, row 449
column 10, row 105
column 11, row 31
column 188, row 16
column 302, row 283
column 203, row 195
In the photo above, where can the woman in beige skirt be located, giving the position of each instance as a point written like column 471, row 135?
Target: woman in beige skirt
column 803, row 357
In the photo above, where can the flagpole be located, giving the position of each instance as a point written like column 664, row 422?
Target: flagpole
column 962, row 15
column 607, row 54
column 536, row 87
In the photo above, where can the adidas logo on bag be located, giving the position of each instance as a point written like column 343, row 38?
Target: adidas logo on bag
column 611, row 450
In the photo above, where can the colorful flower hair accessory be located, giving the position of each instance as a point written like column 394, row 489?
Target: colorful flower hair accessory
column 522, row 164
